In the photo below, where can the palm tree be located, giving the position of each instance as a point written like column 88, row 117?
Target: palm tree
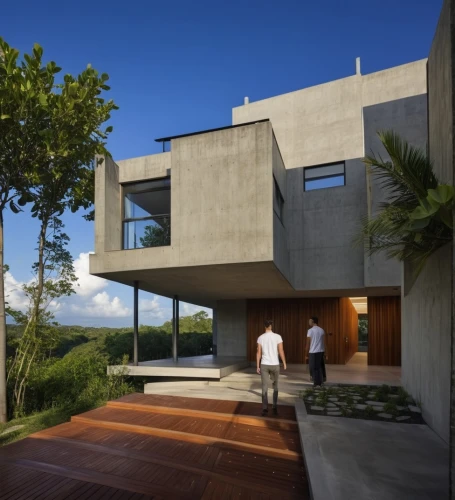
column 416, row 218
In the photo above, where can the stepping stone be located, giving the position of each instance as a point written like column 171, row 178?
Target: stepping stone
column 401, row 408
column 317, row 408
column 333, row 399
column 356, row 397
column 414, row 409
column 309, row 398
column 385, row 415
column 334, row 413
column 341, row 403
column 375, row 403
column 360, row 407
column 331, row 405
column 14, row 428
column 394, row 396
column 377, row 408
column 400, row 419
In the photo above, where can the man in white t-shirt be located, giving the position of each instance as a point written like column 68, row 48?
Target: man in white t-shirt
column 270, row 344
column 315, row 350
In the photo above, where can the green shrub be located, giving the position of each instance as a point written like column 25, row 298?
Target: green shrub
column 369, row 411
column 391, row 407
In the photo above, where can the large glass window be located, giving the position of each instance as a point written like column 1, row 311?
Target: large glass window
column 278, row 201
column 324, row 176
column 147, row 214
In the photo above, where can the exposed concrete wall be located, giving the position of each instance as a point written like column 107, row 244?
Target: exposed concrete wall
column 440, row 96
column 280, row 244
column 232, row 328
column 402, row 81
column 407, row 117
column 221, row 203
column 427, row 302
column 221, row 196
column 323, row 225
column 426, row 321
column 145, row 167
column 108, row 217
column 323, row 124
column 316, row 125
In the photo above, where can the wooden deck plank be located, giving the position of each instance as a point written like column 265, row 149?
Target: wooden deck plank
column 209, row 405
column 146, row 447
column 260, row 436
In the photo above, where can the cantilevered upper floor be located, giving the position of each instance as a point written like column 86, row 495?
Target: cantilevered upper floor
column 269, row 207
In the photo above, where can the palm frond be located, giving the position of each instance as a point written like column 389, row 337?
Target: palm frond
column 406, row 178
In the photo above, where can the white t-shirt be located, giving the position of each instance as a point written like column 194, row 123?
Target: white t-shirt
column 269, row 342
column 316, row 334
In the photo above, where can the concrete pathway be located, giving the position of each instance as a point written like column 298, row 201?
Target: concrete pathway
column 360, row 459
column 245, row 385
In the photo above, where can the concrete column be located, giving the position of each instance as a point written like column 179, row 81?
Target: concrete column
column 136, row 324
column 175, row 328
column 214, row 333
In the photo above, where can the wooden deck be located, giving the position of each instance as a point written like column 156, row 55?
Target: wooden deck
column 160, row 447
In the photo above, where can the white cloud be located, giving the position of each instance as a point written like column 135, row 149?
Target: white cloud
column 14, row 293
column 102, row 306
column 190, row 309
column 87, row 285
column 152, row 308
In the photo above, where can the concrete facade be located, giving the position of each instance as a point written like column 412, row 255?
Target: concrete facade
column 409, row 119
column 427, row 303
column 323, row 124
column 228, row 242
column 426, row 339
column 323, row 226
column 231, row 317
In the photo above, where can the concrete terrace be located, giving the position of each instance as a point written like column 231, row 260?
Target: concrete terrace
column 245, row 384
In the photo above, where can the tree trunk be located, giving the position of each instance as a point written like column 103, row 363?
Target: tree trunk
column 3, row 395
column 40, row 286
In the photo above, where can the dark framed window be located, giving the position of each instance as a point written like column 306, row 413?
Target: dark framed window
column 278, row 200
column 147, row 214
column 324, row 176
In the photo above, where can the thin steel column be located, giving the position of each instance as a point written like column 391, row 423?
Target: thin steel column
column 136, row 323
column 175, row 328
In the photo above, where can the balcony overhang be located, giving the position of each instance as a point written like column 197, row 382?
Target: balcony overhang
column 205, row 285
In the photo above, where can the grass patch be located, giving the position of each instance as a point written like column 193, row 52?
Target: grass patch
column 43, row 420
column 34, row 423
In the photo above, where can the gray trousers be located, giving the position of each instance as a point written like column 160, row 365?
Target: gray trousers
column 269, row 372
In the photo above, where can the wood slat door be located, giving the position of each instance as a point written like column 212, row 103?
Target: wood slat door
column 384, row 331
column 290, row 317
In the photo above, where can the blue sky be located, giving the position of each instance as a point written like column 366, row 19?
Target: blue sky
column 181, row 66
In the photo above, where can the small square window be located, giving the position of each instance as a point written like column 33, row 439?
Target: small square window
column 324, row 176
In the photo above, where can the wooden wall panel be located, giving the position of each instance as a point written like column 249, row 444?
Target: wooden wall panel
column 349, row 328
column 290, row 317
column 384, row 331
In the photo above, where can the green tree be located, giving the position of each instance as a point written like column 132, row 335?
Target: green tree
column 50, row 133
column 416, row 218
column 40, row 335
column 158, row 235
column 197, row 323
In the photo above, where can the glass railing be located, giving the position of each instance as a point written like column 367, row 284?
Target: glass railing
column 147, row 232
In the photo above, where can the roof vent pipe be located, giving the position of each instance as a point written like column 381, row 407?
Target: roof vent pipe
column 246, row 101
column 357, row 66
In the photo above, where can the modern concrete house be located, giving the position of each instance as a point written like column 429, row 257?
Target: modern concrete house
column 258, row 219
